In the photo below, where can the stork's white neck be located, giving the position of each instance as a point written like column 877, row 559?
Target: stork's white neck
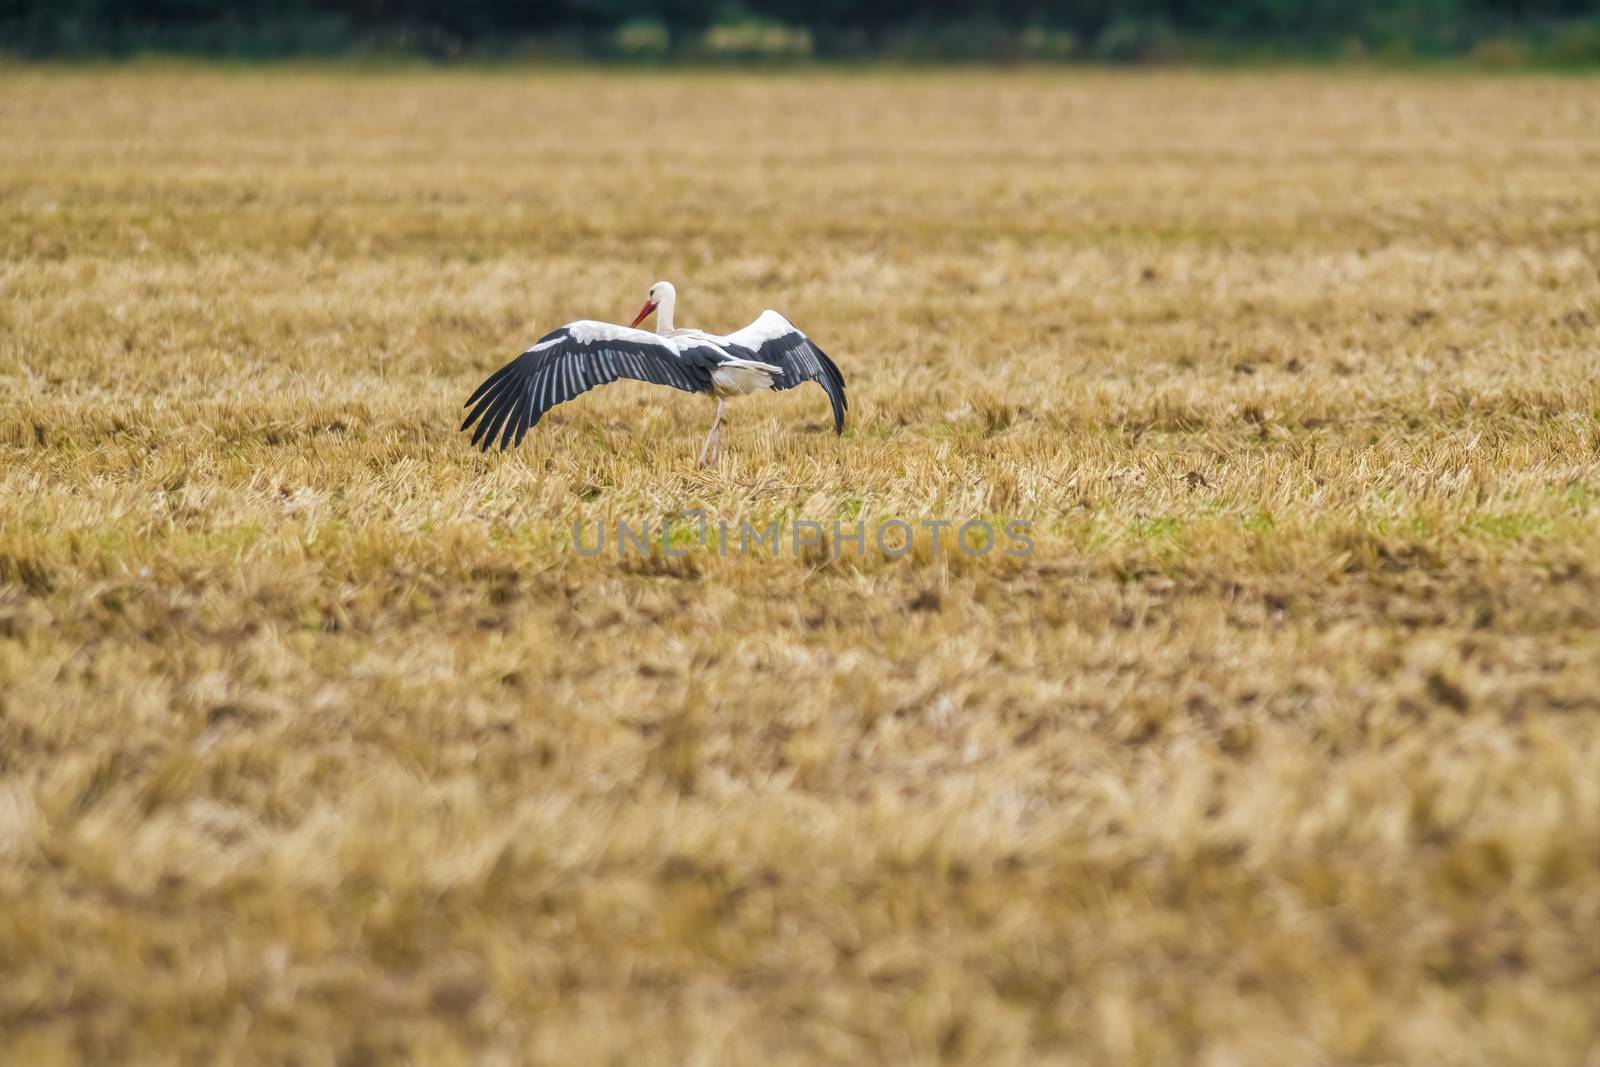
column 669, row 298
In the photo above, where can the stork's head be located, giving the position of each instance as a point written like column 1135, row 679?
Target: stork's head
column 660, row 293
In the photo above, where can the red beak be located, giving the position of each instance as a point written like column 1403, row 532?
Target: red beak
column 644, row 313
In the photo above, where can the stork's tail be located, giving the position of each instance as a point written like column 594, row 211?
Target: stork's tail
column 739, row 376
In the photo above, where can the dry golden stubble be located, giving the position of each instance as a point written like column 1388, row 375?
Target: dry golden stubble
column 318, row 742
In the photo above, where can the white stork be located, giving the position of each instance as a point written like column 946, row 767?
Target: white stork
column 767, row 354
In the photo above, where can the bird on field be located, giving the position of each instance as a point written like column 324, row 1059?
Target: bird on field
column 770, row 353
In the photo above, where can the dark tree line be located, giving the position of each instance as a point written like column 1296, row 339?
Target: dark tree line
column 1110, row 29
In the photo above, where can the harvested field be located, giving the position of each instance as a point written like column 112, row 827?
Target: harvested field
column 321, row 743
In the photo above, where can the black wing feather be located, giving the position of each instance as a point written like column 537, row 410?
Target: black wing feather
column 513, row 399
column 802, row 361
column 489, row 383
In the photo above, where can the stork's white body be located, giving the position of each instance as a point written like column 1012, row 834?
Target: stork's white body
column 736, row 377
column 741, row 377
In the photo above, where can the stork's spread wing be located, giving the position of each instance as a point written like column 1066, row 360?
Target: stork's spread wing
column 574, row 359
column 774, row 339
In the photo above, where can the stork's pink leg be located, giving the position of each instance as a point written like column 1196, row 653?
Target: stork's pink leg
column 713, row 438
